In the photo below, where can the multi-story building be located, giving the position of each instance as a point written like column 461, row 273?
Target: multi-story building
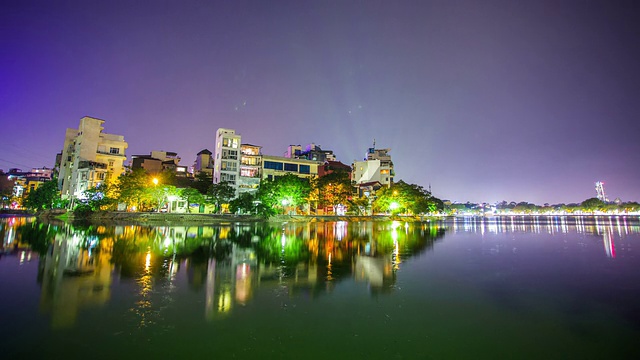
column 159, row 161
column 204, row 163
column 311, row 152
column 226, row 167
column 274, row 166
column 250, row 168
column 25, row 182
column 89, row 158
column 376, row 167
column 329, row 167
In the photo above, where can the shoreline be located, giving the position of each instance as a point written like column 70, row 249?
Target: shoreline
column 213, row 219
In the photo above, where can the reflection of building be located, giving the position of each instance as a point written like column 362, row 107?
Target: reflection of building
column 75, row 276
column 377, row 271
column 90, row 157
column 8, row 231
column 230, row 281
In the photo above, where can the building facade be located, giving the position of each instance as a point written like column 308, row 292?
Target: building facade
column 311, row 152
column 159, row 161
column 275, row 166
column 204, row 163
column 226, row 167
column 250, row 168
column 376, row 167
column 89, row 158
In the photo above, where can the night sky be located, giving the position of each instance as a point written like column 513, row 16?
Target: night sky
column 484, row 100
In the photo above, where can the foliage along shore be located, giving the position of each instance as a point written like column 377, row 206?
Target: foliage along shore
column 171, row 218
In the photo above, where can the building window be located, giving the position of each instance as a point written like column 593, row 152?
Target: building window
column 250, row 161
column 231, row 178
column 273, row 165
column 305, row 169
column 230, row 154
column 230, row 143
column 291, row 167
column 249, row 172
column 114, row 150
column 101, row 176
column 228, row 166
column 111, row 162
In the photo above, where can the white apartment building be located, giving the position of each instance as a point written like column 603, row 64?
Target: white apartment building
column 226, row 166
column 89, row 158
column 376, row 167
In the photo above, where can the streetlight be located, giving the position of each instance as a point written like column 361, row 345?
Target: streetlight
column 155, row 190
column 394, row 205
column 284, row 204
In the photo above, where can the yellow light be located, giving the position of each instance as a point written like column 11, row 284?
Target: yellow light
column 155, row 181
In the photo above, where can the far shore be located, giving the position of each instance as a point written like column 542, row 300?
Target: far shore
column 149, row 218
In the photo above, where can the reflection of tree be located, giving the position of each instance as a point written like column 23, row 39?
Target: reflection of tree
column 229, row 262
column 37, row 235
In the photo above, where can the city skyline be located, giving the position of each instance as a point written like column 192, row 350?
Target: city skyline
column 492, row 101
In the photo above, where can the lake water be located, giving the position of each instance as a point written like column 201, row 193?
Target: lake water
column 495, row 288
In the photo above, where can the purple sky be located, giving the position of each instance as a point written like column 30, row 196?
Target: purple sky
column 484, row 100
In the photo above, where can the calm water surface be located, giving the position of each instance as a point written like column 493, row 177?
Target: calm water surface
column 497, row 288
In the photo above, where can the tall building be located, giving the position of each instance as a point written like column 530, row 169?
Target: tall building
column 226, row 167
column 376, row 167
column 203, row 163
column 89, row 158
column 250, row 168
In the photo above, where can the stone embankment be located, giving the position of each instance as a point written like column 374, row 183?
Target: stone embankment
column 164, row 218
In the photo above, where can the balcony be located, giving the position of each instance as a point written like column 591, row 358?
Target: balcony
column 110, row 154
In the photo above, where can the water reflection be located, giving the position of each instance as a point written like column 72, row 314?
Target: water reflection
column 228, row 263
column 610, row 229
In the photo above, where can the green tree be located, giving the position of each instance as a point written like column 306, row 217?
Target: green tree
column 98, row 198
column 191, row 196
column 283, row 192
column 135, row 188
column 245, row 203
column 403, row 198
column 333, row 189
column 221, row 193
column 46, row 196
column 202, row 182
column 592, row 204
